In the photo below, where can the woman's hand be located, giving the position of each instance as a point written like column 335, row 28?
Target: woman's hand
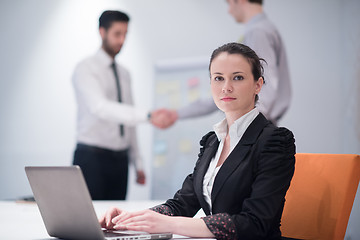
column 106, row 221
column 145, row 220
column 153, row 222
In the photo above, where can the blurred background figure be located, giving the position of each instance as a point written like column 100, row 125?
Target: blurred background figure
column 263, row 37
column 106, row 138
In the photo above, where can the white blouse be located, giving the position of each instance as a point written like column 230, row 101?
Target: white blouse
column 236, row 131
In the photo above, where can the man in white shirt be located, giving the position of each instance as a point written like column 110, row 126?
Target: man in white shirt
column 263, row 37
column 106, row 137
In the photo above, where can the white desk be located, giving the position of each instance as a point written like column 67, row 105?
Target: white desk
column 23, row 220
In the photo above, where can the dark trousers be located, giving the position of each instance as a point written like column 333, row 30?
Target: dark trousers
column 105, row 171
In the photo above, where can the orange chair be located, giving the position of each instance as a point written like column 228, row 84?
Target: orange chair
column 320, row 197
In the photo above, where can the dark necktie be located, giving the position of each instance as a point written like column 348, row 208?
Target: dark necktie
column 113, row 66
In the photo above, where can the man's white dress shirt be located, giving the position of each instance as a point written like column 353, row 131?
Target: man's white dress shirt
column 99, row 112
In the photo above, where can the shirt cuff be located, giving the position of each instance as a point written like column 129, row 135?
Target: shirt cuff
column 221, row 225
column 163, row 209
column 139, row 164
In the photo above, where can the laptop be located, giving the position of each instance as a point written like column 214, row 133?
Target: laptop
column 66, row 207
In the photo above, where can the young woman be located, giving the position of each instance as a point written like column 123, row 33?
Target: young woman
column 244, row 168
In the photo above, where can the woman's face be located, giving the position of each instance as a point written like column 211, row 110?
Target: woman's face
column 232, row 84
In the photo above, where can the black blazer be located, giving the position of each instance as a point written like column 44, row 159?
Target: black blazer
column 251, row 184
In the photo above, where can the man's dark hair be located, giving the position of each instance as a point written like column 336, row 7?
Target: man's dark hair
column 108, row 17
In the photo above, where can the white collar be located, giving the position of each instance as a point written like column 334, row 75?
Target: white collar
column 105, row 58
column 238, row 128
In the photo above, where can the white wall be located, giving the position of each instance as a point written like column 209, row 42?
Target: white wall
column 41, row 42
column 323, row 50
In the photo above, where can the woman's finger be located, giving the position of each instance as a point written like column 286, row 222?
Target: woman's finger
column 134, row 219
column 135, row 226
column 124, row 217
column 102, row 221
column 121, row 217
column 106, row 220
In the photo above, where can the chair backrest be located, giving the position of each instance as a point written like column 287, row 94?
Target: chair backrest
column 319, row 200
